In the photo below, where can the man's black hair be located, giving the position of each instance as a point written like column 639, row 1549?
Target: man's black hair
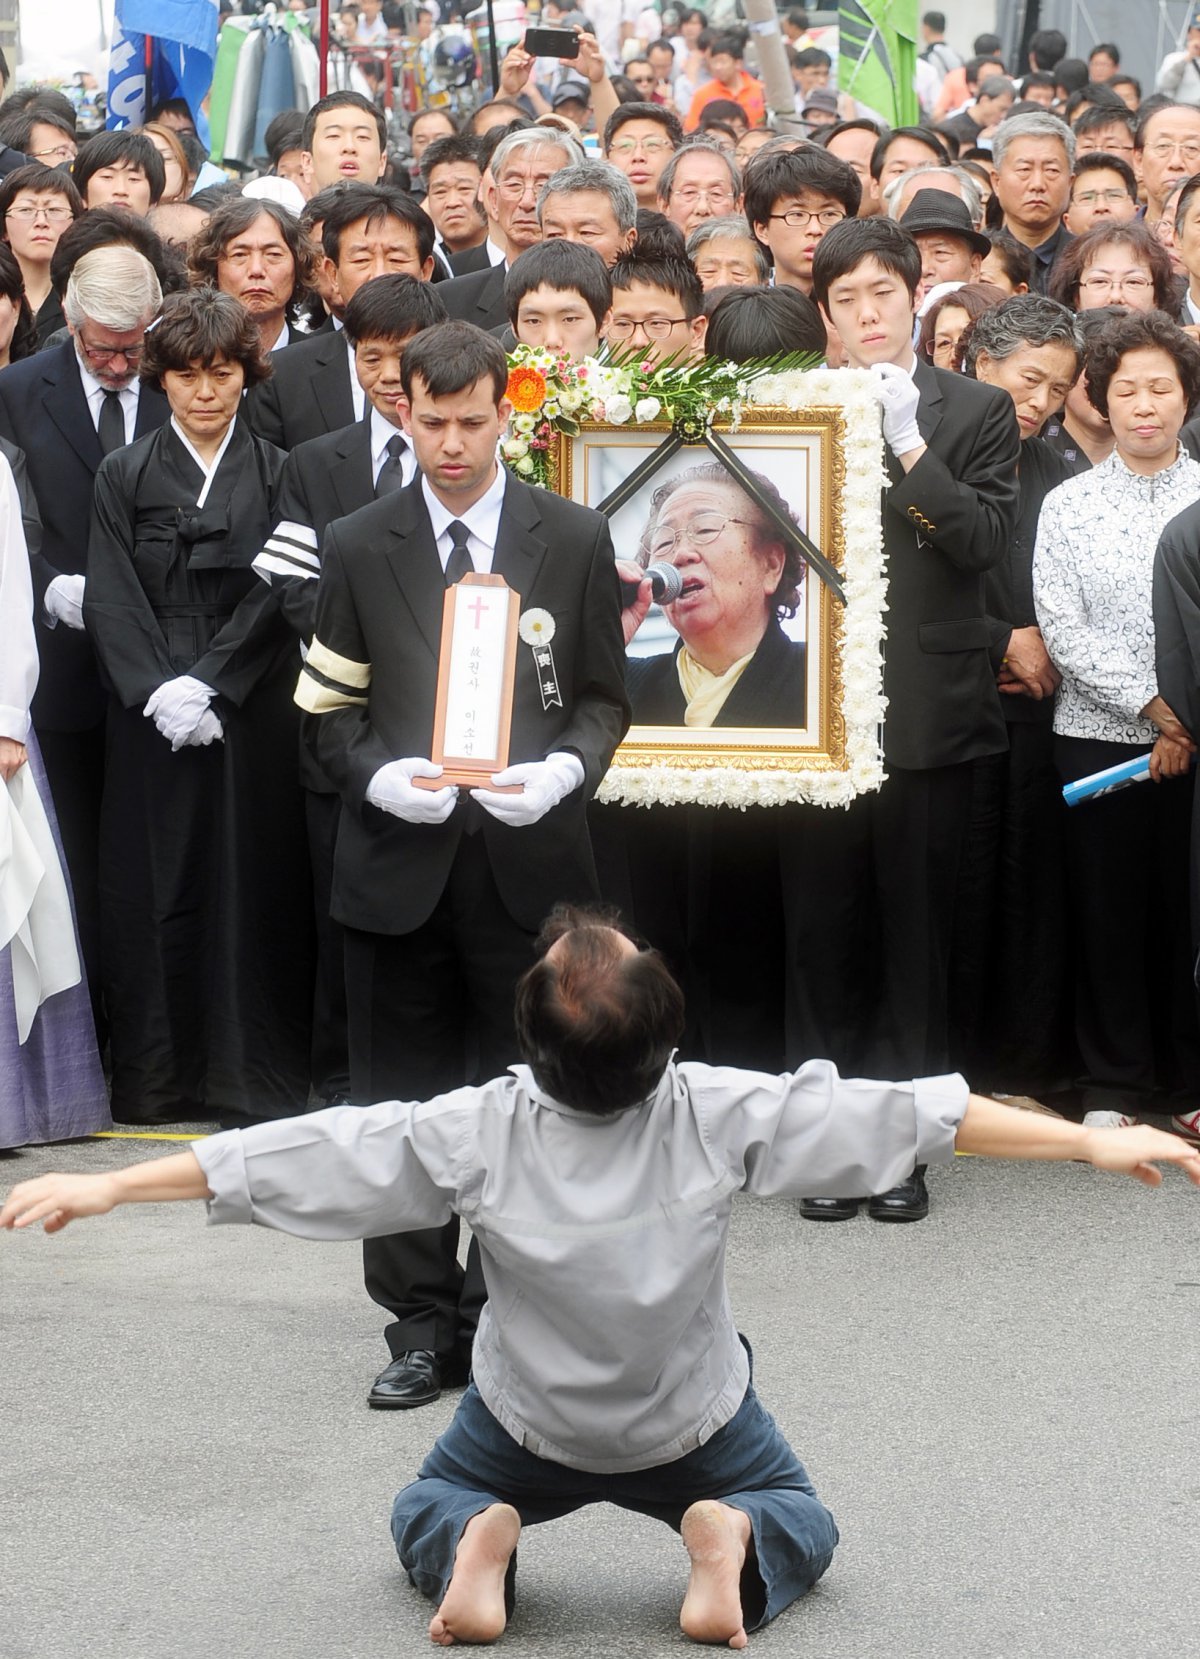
column 49, row 97
column 1037, row 77
column 1016, row 258
column 317, row 207
column 731, row 43
column 987, row 46
column 1047, row 48
column 450, row 358
column 111, row 149
column 708, row 128
column 1108, row 47
column 172, row 106
column 16, row 130
column 374, row 203
column 860, row 123
column 935, row 21
column 595, row 1023
column 285, row 132
column 1099, row 160
column 194, row 152
column 491, row 140
column 665, row 271
column 975, row 68
column 342, row 100
column 1126, row 80
column 812, row 57
column 657, row 234
column 720, row 112
column 214, row 196
column 774, row 174
column 751, row 323
column 624, row 113
column 567, row 267
column 456, row 146
column 1071, row 73
column 422, row 113
column 1093, row 96
column 844, row 248
column 922, row 135
column 107, row 227
column 1098, row 116
column 392, row 307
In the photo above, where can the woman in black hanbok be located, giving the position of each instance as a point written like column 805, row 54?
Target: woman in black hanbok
column 206, row 951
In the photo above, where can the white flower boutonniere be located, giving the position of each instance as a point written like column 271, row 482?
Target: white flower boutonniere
column 536, row 627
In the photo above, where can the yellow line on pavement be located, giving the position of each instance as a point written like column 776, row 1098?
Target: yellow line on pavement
column 139, row 1135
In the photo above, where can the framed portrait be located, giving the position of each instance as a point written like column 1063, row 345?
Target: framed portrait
column 760, row 682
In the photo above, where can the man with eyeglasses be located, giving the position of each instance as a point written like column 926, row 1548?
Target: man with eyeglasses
column 640, row 139
column 523, row 163
column 793, row 199
column 67, row 408
column 1168, row 151
column 1034, row 157
column 657, row 309
column 1106, row 130
column 699, row 182
column 1103, row 192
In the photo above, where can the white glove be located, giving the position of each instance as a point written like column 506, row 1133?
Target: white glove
column 208, row 730
column 900, row 396
column 63, row 602
column 392, row 790
column 177, row 707
column 546, row 782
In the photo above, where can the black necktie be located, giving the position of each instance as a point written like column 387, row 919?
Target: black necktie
column 111, row 430
column 460, row 563
column 390, row 475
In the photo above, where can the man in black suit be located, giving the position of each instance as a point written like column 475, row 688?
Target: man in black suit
column 369, row 229
column 441, row 893
column 522, row 163
column 949, row 515
column 325, row 479
column 67, row 408
column 453, row 167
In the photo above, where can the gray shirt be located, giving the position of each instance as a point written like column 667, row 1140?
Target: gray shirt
column 607, row 1342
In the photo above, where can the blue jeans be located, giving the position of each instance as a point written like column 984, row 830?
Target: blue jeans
column 747, row 1464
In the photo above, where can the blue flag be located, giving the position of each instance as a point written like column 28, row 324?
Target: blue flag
column 184, row 37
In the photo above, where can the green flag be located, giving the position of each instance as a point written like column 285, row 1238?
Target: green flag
column 878, row 55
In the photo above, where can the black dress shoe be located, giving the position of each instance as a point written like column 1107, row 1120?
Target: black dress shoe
column 907, row 1202
column 829, row 1209
column 415, row 1378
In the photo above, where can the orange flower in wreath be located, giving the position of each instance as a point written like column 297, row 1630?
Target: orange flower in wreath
column 526, row 389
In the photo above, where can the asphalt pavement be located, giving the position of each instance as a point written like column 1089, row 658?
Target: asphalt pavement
column 995, row 1403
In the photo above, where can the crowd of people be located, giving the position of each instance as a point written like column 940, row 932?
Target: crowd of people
column 251, row 430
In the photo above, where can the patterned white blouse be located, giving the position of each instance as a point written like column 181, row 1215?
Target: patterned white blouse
column 1093, row 568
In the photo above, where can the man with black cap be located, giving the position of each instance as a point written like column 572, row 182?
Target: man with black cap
column 952, row 250
column 820, row 108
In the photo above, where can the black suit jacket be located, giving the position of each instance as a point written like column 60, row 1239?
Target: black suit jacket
column 470, row 259
column 944, row 524
column 44, row 411
column 372, row 670
column 324, row 479
column 478, row 298
column 770, row 692
column 308, row 395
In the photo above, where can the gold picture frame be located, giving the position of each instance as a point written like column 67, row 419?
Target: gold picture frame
column 822, row 452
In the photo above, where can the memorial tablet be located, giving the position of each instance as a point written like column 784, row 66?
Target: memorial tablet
column 476, row 670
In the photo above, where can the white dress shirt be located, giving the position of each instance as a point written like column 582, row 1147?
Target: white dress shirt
column 208, row 468
column 382, row 431
column 357, row 396
column 482, row 521
column 94, row 392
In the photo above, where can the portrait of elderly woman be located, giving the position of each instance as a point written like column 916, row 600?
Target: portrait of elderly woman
column 733, row 664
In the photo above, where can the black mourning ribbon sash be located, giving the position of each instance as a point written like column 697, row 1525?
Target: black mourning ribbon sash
column 791, row 532
column 203, row 535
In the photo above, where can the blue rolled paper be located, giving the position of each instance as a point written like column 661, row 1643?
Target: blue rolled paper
column 1112, row 778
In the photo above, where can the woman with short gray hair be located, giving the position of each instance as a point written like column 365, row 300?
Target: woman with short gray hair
column 1012, row 974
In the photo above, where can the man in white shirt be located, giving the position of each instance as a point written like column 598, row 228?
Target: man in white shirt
column 599, row 1178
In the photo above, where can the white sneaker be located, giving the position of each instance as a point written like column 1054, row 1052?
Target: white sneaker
column 1107, row 1120
column 1188, row 1125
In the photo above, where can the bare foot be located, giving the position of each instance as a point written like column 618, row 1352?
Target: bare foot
column 716, row 1537
column 472, row 1609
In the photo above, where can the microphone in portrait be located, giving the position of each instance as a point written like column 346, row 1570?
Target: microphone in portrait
column 666, row 584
